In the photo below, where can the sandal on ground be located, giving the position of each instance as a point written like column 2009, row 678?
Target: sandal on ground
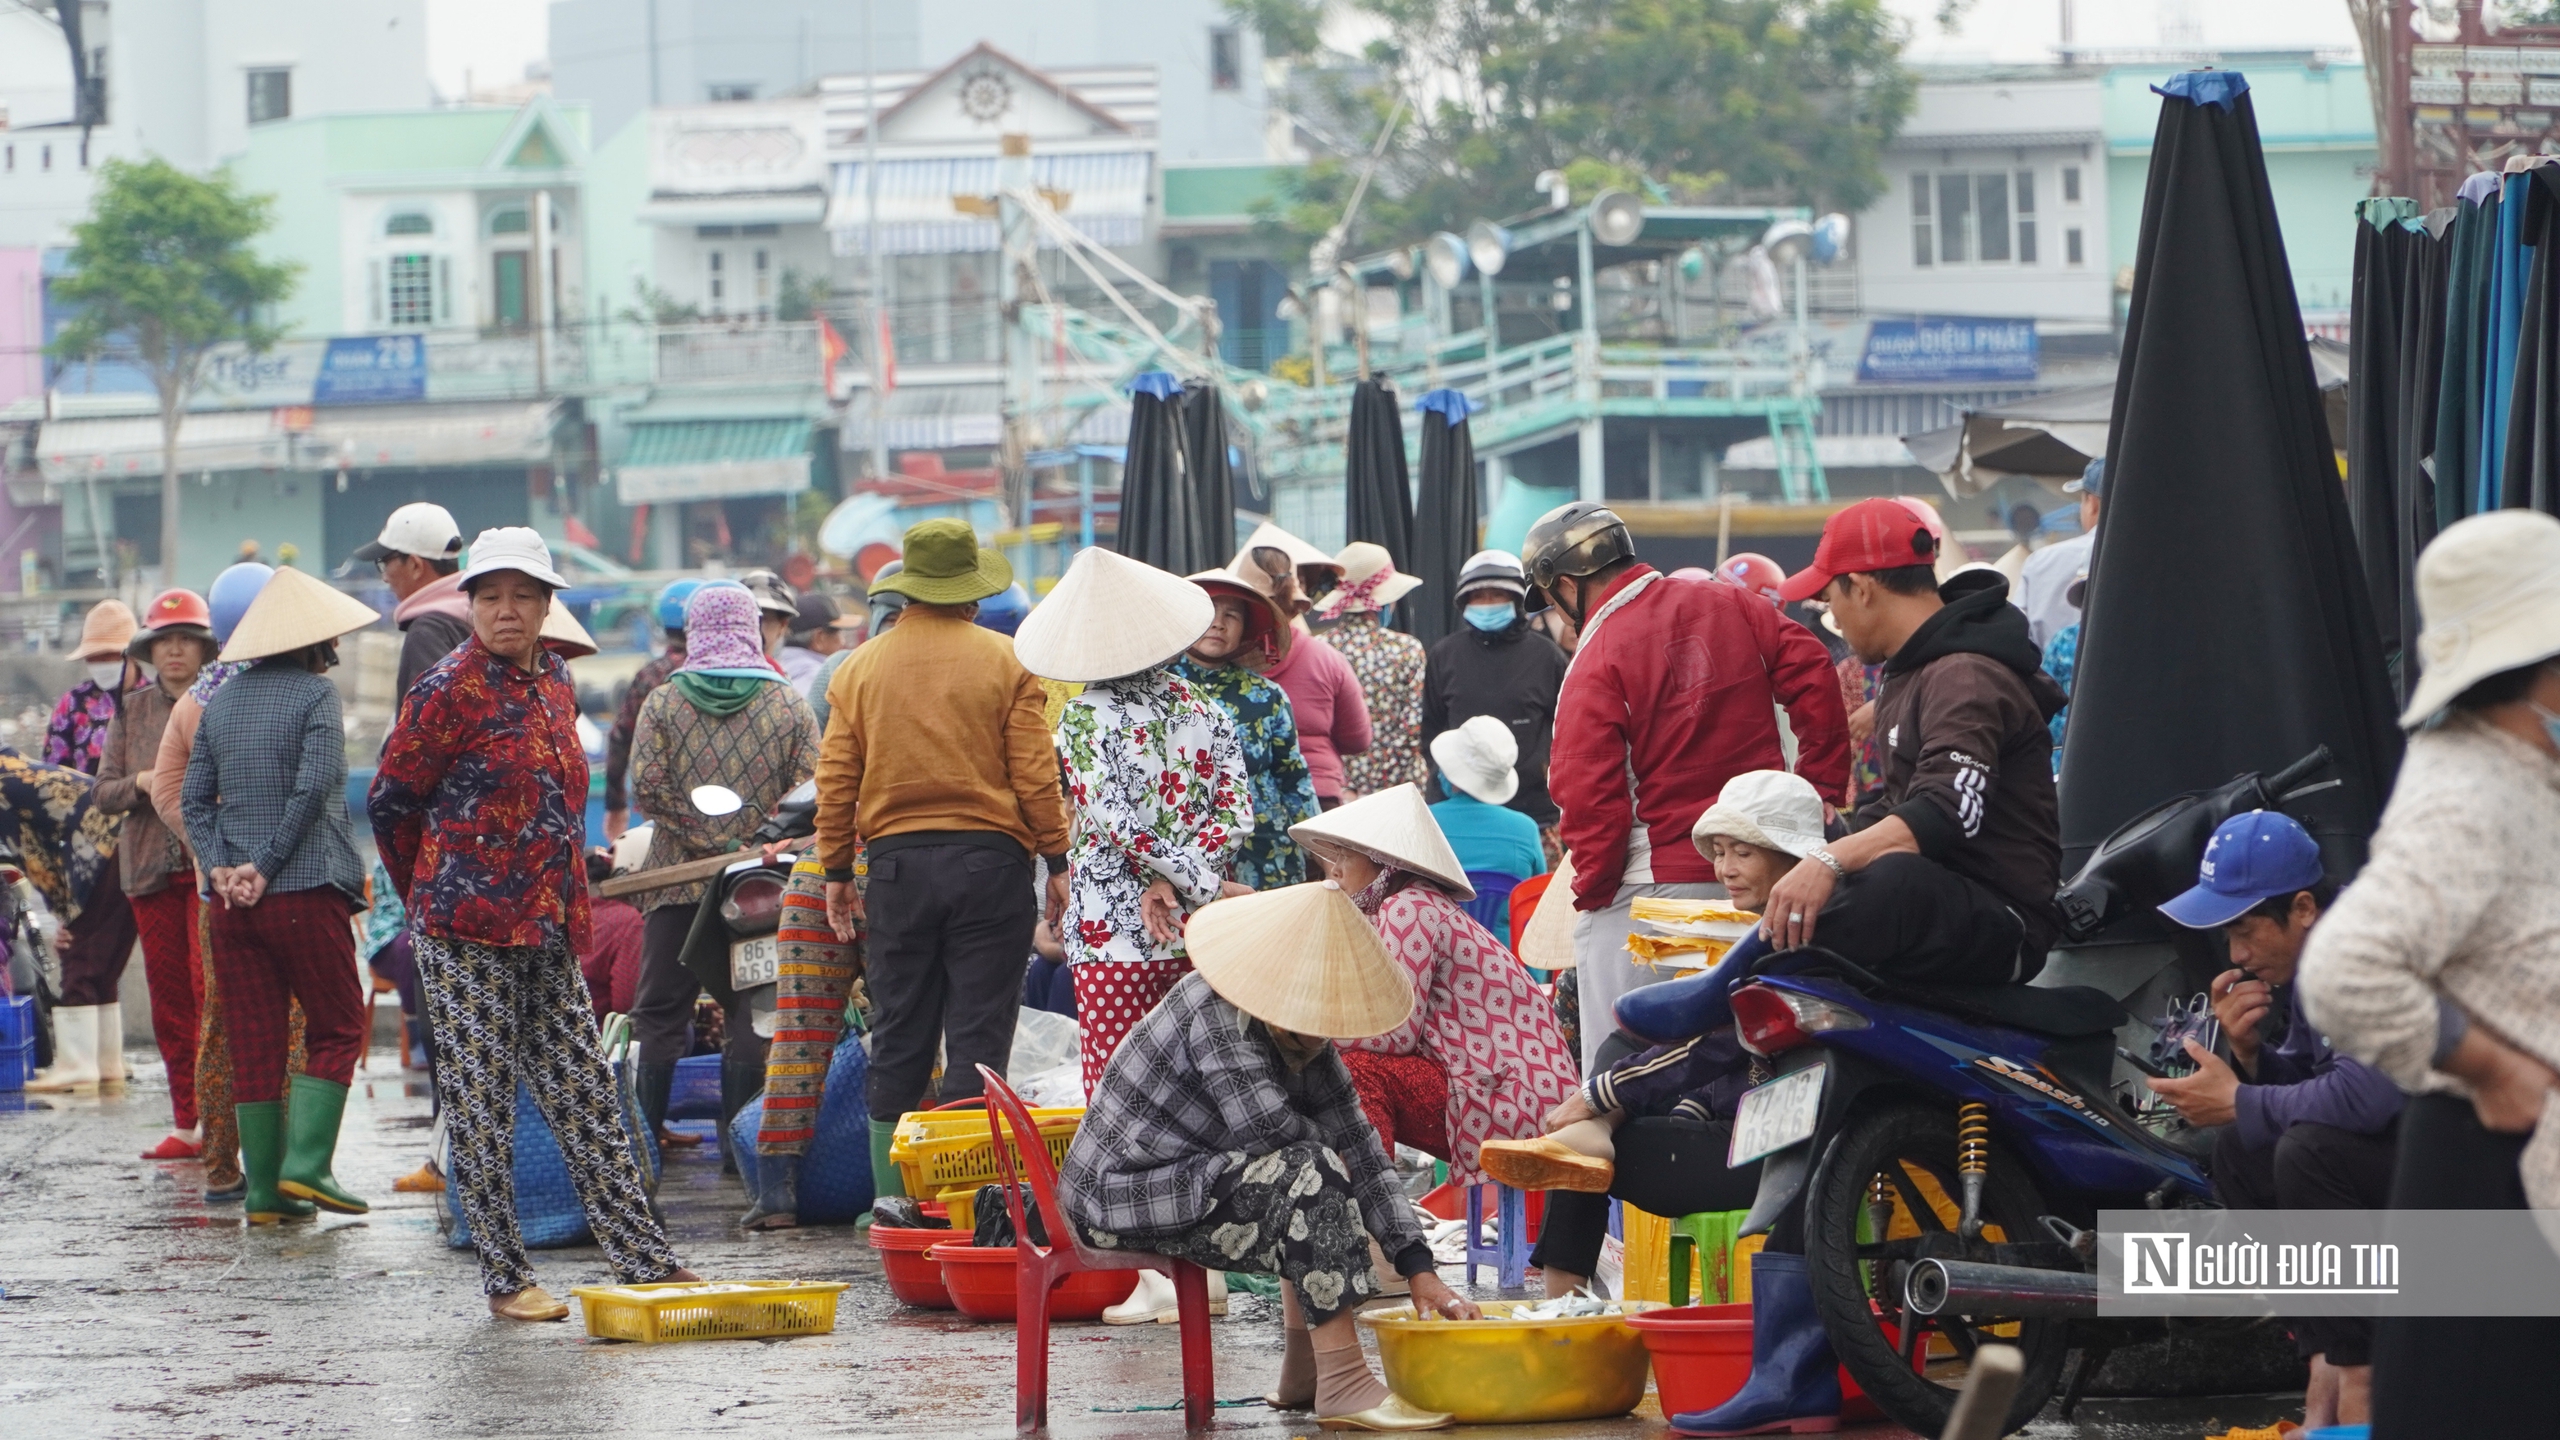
column 532, row 1303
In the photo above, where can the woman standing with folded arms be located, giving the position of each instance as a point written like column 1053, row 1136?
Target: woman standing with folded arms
column 479, row 809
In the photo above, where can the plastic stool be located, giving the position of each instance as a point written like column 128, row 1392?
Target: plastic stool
column 1508, row 1253
column 1709, row 1235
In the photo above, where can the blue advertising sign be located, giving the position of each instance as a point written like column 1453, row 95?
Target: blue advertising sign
column 1948, row 350
column 371, row 370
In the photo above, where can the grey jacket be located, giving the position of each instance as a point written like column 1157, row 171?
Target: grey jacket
column 267, row 783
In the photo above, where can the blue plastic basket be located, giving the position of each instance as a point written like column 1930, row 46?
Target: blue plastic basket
column 548, row 1214
column 17, row 1041
column 17, row 1065
column 835, row 1172
column 696, row 1095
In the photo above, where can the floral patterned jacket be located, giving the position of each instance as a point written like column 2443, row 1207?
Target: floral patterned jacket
column 1275, row 771
column 1476, row 1013
column 479, row 807
column 1390, row 668
column 77, row 735
column 1159, row 789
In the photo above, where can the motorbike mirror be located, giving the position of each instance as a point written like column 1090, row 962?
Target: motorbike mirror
column 716, row 800
column 803, row 793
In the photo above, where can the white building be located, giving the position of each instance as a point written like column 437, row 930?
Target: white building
column 185, row 80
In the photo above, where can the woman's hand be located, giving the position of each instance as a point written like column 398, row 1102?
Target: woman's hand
column 1161, row 908
column 1862, row 723
column 1229, row 889
column 1432, row 1296
column 1571, row 1110
column 2507, row 1085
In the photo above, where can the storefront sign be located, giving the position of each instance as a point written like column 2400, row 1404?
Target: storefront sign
column 371, row 370
column 1948, row 350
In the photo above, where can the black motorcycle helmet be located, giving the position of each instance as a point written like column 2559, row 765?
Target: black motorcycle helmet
column 1581, row 538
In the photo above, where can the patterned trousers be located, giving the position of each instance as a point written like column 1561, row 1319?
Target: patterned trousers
column 171, row 961
column 1111, row 998
column 817, row 975
column 1405, row 1096
column 520, row 1012
column 294, row 945
column 1290, row 1213
column 213, row 1063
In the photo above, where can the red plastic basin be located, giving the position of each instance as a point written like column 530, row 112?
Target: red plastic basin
column 981, row 1282
column 1702, row 1356
column 915, row 1278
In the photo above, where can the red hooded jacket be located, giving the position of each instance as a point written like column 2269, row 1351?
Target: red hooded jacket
column 1674, row 691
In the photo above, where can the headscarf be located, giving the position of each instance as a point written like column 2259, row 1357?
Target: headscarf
column 724, row 659
column 61, row 840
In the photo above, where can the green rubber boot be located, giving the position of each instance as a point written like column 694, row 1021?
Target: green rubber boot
column 885, row 1179
column 311, row 1142
column 261, row 1155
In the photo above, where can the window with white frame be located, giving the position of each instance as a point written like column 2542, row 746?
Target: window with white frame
column 1226, row 58
column 270, row 95
column 1974, row 217
column 409, row 291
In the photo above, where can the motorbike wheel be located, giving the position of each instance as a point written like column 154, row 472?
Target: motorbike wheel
column 1896, row 1146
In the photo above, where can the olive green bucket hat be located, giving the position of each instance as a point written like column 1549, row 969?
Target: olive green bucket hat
column 943, row 565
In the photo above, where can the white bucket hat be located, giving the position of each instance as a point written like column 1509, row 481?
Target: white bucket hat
column 1370, row 580
column 294, row 610
column 2489, row 590
column 1394, row 827
column 1301, row 958
column 1479, row 758
column 512, row 547
column 1768, row 808
column 1111, row 616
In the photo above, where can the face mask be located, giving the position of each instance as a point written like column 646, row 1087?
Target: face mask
column 107, row 673
column 1491, row 617
column 2550, row 724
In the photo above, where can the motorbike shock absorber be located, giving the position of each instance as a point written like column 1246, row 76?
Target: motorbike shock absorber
column 1973, row 1163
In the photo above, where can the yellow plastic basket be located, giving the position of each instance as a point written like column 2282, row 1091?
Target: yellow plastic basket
column 709, row 1310
column 940, row 1150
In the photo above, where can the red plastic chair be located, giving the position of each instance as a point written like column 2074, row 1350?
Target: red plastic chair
column 1038, row 1270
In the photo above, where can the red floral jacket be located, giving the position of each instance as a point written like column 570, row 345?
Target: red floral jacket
column 479, row 806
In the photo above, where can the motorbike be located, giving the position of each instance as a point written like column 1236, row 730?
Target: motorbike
column 1948, row 1149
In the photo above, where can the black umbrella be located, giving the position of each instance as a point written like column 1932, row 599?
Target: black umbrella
column 1377, row 493
column 1157, row 519
column 1445, row 522
column 2397, row 354
column 2532, row 475
column 2464, row 384
column 2227, row 628
column 1213, row 481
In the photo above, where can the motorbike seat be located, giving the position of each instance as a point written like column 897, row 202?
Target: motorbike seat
column 2060, row 1012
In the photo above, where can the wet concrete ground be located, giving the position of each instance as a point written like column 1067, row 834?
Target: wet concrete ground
column 133, row 1310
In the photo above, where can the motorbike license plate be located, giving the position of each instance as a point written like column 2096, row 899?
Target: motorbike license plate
column 1776, row 1115
column 755, row 962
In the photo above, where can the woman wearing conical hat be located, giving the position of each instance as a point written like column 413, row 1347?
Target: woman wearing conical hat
column 1156, row 778
column 1227, row 1133
column 1227, row 663
column 1481, row 1058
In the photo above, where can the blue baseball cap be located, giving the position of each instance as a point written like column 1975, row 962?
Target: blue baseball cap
column 2092, row 481
column 2252, row 858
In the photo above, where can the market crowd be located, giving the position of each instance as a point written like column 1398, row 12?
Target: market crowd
column 1314, row 893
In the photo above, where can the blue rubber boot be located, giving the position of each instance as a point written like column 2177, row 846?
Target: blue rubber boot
column 1794, row 1387
column 1674, row 1010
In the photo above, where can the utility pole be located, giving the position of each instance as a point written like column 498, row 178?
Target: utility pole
column 1017, row 359
column 541, row 279
column 871, row 270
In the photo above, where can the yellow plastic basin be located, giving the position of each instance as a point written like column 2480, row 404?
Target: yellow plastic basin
column 1504, row 1371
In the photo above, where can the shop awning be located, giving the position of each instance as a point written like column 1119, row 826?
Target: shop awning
column 367, row 437
column 110, row 448
column 928, row 417
column 675, row 460
column 758, row 207
column 946, row 206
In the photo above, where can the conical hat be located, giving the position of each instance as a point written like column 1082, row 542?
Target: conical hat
column 1111, row 616
column 1302, row 958
column 294, row 610
column 1546, row 942
column 1267, row 536
column 560, row 627
column 1394, row 826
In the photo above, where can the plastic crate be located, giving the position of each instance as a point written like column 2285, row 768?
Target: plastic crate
column 17, row 1065
column 944, row 1150
column 696, row 1093
column 709, row 1310
column 17, row 1020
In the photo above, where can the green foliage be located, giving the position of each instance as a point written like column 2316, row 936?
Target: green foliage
column 800, row 295
column 1693, row 101
column 163, row 271
column 653, row 306
column 1288, row 27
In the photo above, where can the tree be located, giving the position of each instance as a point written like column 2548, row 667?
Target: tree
column 162, row 273
column 1700, row 101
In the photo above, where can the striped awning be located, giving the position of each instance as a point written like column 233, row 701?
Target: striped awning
column 928, row 417
column 112, row 447
column 371, row 436
column 675, row 460
column 946, row 206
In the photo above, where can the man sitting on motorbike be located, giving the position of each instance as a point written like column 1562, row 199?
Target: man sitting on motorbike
column 1947, row 879
column 2304, row 1128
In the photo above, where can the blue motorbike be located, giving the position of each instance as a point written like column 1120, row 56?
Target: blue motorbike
column 1946, row 1150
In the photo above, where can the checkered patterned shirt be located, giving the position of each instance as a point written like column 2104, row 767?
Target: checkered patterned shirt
column 267, row 784
column 1197, row 1088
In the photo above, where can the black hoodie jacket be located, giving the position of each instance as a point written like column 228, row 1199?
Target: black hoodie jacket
column 1968, row 760
column 1513, row 675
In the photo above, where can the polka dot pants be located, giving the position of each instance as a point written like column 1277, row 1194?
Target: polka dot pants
column 1111, row 998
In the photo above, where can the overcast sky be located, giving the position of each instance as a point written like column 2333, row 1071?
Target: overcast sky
column 492, row 39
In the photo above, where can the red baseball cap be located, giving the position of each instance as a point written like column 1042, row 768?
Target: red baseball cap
column 1877, row 534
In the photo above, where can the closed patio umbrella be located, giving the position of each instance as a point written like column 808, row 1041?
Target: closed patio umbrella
column 1213, row 480
column 1377, row 490
column 1158, row 521
column 1444, row 519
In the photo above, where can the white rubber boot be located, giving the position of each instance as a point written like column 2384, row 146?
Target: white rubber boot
column 111, row 1043
column 1151, row 1301
column 75, row 1052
